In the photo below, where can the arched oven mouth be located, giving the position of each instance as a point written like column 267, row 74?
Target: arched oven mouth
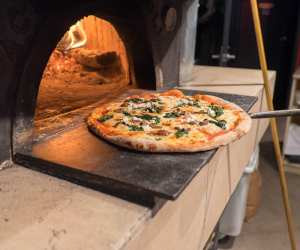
column 89, row 66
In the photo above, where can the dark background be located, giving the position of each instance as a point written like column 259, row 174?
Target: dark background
column 280, row 29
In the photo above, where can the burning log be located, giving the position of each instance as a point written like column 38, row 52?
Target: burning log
column 75, row 37
column 107, row 64
column 84, row 66
column 94, row 58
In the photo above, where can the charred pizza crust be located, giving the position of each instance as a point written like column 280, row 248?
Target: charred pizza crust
column 202, row 137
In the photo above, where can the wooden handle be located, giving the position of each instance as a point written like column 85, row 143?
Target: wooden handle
column 264, row 68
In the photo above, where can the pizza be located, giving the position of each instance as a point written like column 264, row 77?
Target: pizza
column 170, row 122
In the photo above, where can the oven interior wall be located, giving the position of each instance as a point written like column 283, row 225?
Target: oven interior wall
column 88, row 64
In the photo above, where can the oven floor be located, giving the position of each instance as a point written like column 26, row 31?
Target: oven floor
column 81, row 157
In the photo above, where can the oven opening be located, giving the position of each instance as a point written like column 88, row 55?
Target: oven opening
column 88, row 65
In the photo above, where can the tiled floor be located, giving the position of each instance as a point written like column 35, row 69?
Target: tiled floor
column 268, row 230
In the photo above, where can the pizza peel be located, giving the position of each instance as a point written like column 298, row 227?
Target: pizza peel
column 276, row 113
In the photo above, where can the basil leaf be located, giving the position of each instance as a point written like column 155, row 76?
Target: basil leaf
column 118, row 123
column 147, row 117
column 153, row 109
column 181, row 132
column 156, row 120
column 196, row 104
column 135, row 128
column 170, row 115
column 188, row 102
column 215, row 111
column 173, row 114
column 127, row 113
column 155, row 100
column 179, row 105
column 220, row 124
column 136, row 100
column 105, row 118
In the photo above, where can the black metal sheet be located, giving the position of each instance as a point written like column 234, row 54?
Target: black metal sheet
column 80, row 156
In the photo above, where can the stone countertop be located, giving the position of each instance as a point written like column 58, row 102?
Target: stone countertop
column 42, row 212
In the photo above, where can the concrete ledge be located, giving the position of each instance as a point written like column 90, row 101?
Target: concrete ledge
column 214, row 75
column 41, row 212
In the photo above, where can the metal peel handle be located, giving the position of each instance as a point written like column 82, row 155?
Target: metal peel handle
column 276, row 113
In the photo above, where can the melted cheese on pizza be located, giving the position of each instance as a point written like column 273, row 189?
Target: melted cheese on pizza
column 172, row 118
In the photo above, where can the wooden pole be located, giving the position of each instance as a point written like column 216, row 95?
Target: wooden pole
column 264, row 68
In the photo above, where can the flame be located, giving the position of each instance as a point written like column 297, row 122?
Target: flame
column 75, row 37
